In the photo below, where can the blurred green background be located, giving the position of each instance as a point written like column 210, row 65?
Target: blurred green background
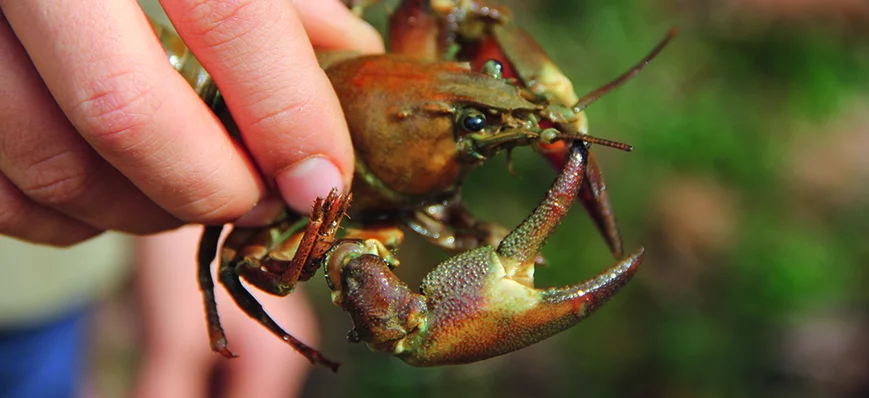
column 748, row 187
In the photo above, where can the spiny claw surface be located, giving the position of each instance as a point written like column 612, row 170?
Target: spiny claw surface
column 478, row 304
column 477, row 310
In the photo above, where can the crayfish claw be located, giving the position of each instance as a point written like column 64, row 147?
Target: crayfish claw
column 571, row 304
column 479, row 303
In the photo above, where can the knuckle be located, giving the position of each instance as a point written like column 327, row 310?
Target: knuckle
column 119, row 106
column 213, row 209
column 57, row 182
column 220, row 23
column 285, row 114
column 23, row 219
column 210, row 203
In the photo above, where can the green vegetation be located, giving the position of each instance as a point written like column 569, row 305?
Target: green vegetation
column 745, row 187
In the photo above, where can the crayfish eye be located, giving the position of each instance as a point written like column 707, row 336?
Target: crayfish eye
column 493, row 68
column 472, row 120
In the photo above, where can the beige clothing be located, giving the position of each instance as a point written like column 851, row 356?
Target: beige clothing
column 39, row 282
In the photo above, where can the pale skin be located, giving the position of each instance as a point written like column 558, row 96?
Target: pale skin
column 102, row 134
column 176, row 358
column 98, row 132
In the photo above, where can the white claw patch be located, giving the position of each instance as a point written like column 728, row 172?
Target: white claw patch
column 506, row 292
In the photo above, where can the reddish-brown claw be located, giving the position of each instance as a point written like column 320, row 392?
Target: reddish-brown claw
column 478, row 304
column 593, row 195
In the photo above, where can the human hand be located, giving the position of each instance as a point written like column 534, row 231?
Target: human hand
column 98, row 132
column 176, row 358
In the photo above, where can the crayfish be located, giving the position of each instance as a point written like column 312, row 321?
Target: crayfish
column 461, row 83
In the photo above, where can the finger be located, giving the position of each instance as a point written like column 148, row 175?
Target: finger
column 177, row 358
column 173, row 374
column 43, row 155
column 111, row 78
column 177, row 361
column 170, row 295
column 262, row 60
column 331, row 25
column 23, row 219
column 266, row 366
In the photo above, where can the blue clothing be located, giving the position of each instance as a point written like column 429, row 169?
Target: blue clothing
column 44, row 361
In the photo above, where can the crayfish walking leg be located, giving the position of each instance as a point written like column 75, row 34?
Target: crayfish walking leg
column 273, row 259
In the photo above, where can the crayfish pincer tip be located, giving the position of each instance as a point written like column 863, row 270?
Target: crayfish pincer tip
column 603, row 287
column 629, row 264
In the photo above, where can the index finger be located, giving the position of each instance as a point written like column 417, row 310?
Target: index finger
column 261, row 57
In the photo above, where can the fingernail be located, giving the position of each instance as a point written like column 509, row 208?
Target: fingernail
column 301, row 183
column 265, row 212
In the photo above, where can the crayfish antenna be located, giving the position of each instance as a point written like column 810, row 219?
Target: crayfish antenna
column 593, row 96
column 593, row 140
column 605, row 142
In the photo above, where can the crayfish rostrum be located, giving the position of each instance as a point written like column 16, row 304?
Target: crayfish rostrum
column 461, row 83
